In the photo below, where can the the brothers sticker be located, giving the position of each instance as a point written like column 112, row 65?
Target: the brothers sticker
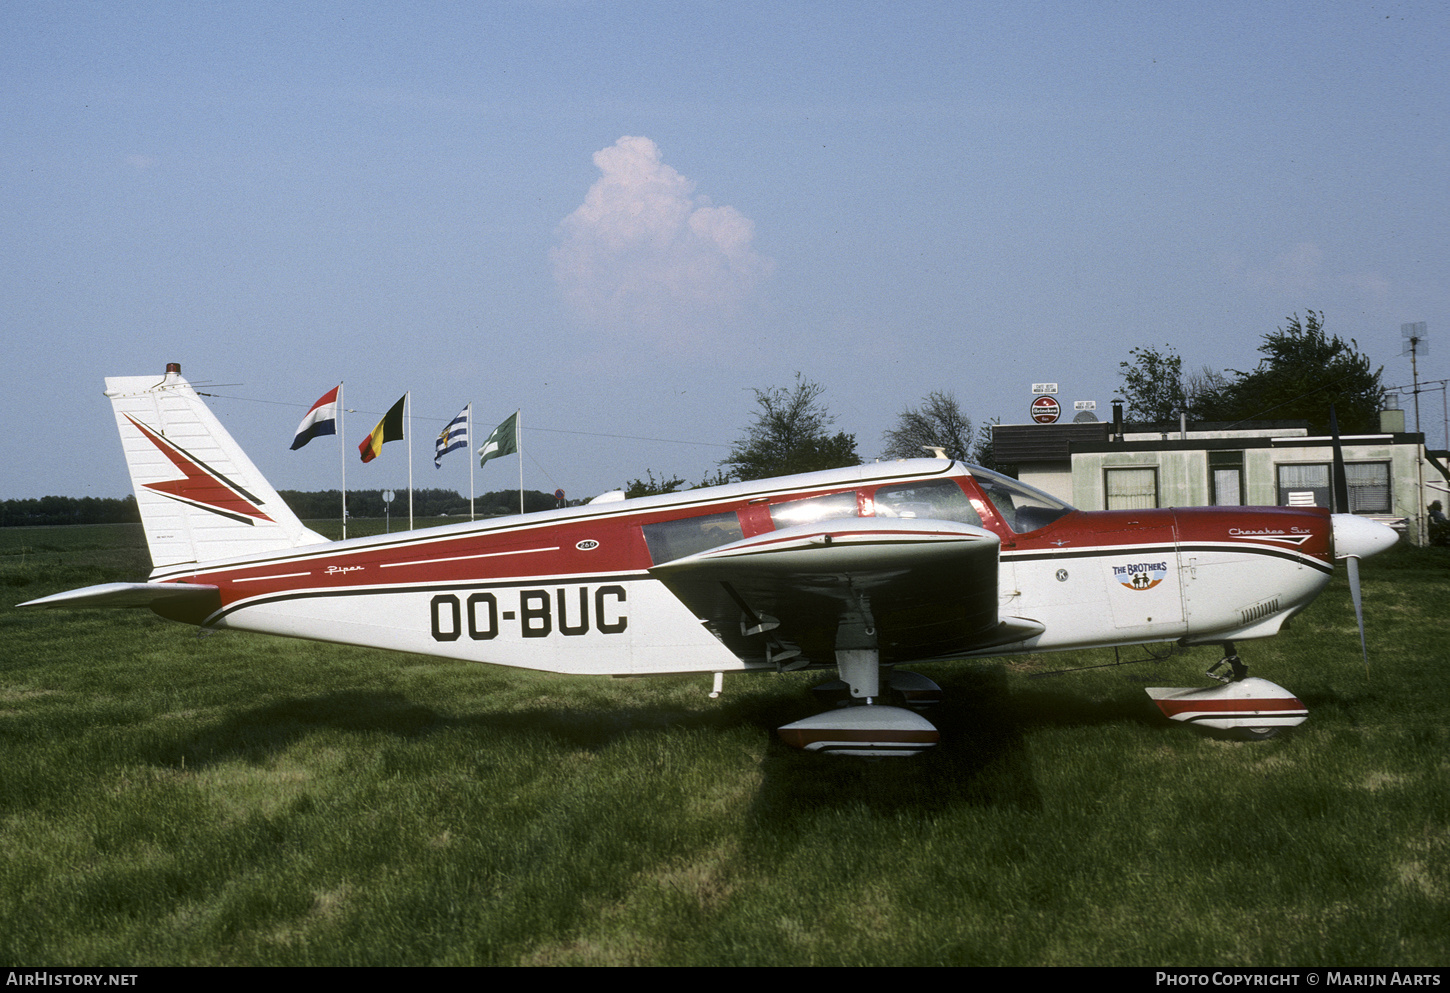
column 1141, row 575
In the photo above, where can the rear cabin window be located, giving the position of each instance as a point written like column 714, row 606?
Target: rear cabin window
column 935, row 500
column 813, row 509
column 669, row 540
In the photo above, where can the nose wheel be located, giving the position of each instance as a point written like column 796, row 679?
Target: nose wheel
column 1244, row 707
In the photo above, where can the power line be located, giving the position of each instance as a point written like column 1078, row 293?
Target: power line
column 445, row 420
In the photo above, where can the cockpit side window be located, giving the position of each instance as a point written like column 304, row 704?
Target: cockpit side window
column 1024, row 508
column 669, row 540
column 813, row 509
column 934, row 500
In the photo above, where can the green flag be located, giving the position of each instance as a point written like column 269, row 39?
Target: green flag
column 503, row 441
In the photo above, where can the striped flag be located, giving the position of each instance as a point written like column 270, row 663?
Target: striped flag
column 454, row 436
column 320, row 420
column 390, row 428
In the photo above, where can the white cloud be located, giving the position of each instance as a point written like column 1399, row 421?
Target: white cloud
column 643, row 251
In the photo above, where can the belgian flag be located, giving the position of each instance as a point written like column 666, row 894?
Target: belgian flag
column 390, row 428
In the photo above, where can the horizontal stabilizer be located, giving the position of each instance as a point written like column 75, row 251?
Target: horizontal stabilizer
column 126, row 595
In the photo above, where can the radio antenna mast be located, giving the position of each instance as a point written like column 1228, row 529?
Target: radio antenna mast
column 1416, row 344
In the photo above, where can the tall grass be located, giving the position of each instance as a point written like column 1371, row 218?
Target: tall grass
column 173, row 799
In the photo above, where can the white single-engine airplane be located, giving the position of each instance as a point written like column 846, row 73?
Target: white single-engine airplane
column 864, row 569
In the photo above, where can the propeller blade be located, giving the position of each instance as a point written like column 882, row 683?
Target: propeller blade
column 1352, row 563
column 1340, row 481
column 1350, row 534
column 1356, row 538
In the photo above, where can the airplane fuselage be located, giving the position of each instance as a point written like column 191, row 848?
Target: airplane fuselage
column 571, row 590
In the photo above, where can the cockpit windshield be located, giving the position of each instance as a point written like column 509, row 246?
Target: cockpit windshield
column 1024, row 508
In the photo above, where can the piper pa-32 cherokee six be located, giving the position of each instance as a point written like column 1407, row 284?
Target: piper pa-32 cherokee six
column 864, row 569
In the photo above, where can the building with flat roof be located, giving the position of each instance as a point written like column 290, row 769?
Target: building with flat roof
column 1391, row 477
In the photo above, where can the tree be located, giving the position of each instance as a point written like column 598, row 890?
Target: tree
column 938, row 423
column 1303, row 371
column 790, row 435
column 1153, row 384
column 665, row 484
column 670, row 483
column 1203, row 391
column 984, row 449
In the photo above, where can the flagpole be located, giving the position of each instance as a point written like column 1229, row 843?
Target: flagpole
column 469, row 450
column 342, row 452
column 408, row 441
column 519, row 438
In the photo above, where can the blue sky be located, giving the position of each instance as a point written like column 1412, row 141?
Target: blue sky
column 624, row 217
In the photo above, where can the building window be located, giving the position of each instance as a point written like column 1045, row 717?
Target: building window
column 1131, row 489
column 1310, row 486
column 1226, row 479
column 1304, row 486
column 1369, row 487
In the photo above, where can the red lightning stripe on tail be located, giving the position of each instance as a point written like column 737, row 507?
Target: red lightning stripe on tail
column 202, row 486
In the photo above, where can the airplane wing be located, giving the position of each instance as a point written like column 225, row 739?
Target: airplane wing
column 914, row 589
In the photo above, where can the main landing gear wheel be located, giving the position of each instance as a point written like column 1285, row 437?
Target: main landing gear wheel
column 865, row 727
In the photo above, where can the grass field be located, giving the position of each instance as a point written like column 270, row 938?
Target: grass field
column 168, row 798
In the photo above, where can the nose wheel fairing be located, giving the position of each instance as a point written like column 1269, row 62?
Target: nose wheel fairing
column 1251, row 705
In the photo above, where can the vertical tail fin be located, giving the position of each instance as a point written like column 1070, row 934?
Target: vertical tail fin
column 200, row 497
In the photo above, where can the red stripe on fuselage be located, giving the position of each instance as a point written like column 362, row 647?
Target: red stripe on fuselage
column 523, row 552
column 1294, row 531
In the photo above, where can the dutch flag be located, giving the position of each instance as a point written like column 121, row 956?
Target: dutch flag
column 320, row 420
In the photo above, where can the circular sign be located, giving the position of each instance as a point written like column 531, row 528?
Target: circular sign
column 1045, row 409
